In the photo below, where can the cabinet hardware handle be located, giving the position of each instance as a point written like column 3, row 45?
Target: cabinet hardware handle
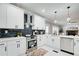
column 17, row 41
column 17, row 45
column 5, row 48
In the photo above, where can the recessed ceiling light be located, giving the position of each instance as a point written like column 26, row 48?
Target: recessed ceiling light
column 43, row 10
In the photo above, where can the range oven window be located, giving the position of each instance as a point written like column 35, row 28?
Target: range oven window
column 32, row 44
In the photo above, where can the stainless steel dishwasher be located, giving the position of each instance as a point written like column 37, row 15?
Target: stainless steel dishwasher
column 67, row 45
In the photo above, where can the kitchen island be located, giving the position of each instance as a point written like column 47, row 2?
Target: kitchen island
column 70, row 44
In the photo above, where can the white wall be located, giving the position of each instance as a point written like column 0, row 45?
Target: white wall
column 52, row 28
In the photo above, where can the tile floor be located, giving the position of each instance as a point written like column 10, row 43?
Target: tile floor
column 51, row 53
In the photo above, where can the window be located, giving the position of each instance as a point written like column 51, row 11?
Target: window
column 55, row 30
column 47, row 29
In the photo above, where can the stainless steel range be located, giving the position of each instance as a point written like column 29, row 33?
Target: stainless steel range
column 31, row 43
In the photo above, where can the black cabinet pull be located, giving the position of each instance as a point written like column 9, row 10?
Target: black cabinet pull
column 5, row 48
column 18, row 45
column 17, row 41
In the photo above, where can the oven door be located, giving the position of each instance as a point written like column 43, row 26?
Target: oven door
column 32, row 44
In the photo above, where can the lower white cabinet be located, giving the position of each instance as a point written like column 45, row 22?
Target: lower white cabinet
column 76, row 46
column 3, row 49
column 22, row 46
column 13, row 47
column 56, row 42
column 53, row 42
column 40, row 40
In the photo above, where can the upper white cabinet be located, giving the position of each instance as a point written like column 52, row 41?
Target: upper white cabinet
column 38, row 22
column 11, row 17
column 3, row 16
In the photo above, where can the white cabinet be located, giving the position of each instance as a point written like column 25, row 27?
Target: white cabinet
column 17, row 47
column 2, row 16
column 53, row 42
column 22, row 46
column 50, row 41
column 76, row 46
column 38, row 22
column 40, row 40
column 15, row 17
column 56, row 42
column 3, row 49
column 11, row 17
column 12, row 48
column 67, row 44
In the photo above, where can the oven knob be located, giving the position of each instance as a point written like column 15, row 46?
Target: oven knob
column 32, row 45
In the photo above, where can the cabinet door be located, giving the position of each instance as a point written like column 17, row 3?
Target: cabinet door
column 49, row 41
column 11, row 17
column 38, row 21
column 20, row 18
column 76, row 46
column 22, row 46
column 3, row 49
column 67, row 44
column 2, row 16
column 39, row 41
column 12, row 48
column 56, row 42
column 15, row 17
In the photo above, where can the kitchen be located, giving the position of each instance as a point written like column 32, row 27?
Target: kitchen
column 39, row 29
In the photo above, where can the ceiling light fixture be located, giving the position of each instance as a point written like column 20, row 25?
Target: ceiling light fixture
column 68, row 19
column 55, row 17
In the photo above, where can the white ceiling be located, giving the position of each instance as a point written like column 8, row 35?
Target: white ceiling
column 47, row 10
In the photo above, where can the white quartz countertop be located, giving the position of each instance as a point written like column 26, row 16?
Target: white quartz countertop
column 10, row 38
column 69, row 36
